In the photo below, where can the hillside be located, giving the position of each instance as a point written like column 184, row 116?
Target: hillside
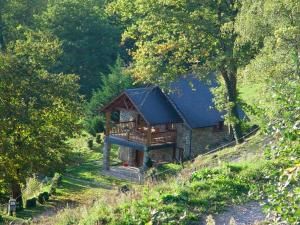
column 206, row 186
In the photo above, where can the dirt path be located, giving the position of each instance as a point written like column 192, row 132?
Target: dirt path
column 247, row 214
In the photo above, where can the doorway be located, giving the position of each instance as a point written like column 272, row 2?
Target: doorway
column 139, row 158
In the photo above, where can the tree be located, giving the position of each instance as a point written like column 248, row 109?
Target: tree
column 174, row 37
column 15, row 15
column 38, row 110
column 111, row 85
column 275, row 25
column 89, row 41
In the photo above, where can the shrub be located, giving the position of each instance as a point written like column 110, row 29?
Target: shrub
column 30, row 203
column 33, row 188
column 43, row 197
column 90, row 143
column 46, row 195
column 55, row 182
column 99, row 138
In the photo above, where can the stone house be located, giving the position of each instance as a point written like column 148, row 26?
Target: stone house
column 164, row 126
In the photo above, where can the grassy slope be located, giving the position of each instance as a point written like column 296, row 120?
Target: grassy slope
column 82, row 183
column 205, row 186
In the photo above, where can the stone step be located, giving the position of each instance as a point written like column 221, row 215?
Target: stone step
column 125, row 173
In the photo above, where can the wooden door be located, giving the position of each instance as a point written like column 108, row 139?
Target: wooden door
column 139, row 158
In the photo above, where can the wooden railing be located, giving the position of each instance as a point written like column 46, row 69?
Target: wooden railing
column 129, row 131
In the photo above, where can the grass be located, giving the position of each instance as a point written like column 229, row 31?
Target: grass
column 183, row 199
column 207, row 185
column 82, row 182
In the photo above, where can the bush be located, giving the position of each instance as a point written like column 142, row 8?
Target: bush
column 90, row 143
column 33, row 188
column 30, row 203
column 55, row 182
column 43, row 197
column 46, row 195
column 99, row 139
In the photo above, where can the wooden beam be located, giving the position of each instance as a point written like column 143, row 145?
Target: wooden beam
column 108, row 117
column 149, row 135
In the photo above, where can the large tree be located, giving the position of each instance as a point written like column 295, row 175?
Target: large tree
column 15, row 15
column 275, row 24
column 89, row 41
column 176, row 37
column 38, row 110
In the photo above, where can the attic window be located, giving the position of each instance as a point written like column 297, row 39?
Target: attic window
column 219, row 126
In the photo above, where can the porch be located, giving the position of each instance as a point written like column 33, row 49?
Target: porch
column 140, row 121
column 132, row 131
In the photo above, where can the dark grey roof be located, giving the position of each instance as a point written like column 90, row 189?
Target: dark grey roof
column 153, row 105
column 189, row 100
column 194, row 101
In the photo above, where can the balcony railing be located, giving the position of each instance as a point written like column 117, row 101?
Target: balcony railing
column 131, row 132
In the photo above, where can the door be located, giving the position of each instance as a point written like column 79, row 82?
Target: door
column 139, row 158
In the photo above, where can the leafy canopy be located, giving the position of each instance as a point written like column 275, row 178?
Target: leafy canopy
column 89, row 41
column 39, row 110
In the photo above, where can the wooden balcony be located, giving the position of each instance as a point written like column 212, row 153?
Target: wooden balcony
column 131, row 132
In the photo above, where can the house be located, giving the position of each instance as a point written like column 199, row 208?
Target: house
column 163, row 126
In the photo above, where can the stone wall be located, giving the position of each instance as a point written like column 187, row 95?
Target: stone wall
column 183, row 139
column 162, row 155
column 205, row 139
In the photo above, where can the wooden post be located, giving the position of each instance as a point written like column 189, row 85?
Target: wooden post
column 146, row 159
column 106, row 155
column 174, row 153
column 107, row 116
column 148, row 135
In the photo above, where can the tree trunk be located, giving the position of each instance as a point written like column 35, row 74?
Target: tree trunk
column 16, row 192
column 231, row 86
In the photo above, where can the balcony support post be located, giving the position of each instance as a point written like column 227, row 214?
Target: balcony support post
column 107, row 117
column 148, row 141
column 106, row 154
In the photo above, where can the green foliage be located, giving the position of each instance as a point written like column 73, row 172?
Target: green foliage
column 30, row 203
column 112, row 85
column 276, row 24
column 89, row 41
column 90, row 143
column 181, row 201
column 39, row 110
column 43, row 197
column 174, row 37
column 17, row 16
column 55, row 182
column 32, row 189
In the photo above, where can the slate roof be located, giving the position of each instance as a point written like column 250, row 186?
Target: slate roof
column 194, row 101
column 189, row 100
column 153, row 105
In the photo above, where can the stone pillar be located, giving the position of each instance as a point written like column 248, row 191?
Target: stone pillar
column 106, row 155
column 146, row 159
column 131, row 156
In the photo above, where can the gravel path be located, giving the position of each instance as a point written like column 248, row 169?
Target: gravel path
column 247, row 214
